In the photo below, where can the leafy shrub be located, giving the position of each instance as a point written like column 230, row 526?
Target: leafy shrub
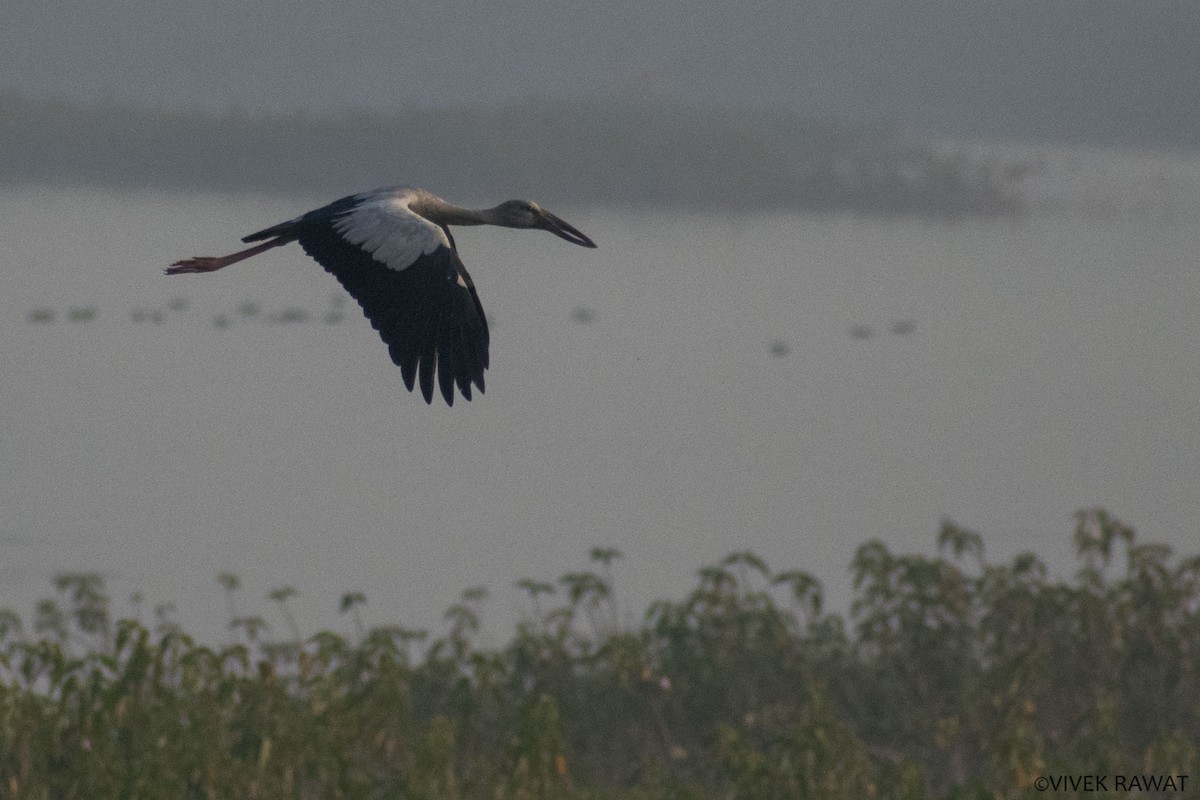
column 953, row 678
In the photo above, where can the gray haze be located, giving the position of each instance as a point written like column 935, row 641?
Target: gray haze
column 701, row 384
column 788, row 384
column 1103, row 71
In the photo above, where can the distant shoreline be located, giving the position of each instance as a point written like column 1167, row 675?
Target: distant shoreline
column 609, row 153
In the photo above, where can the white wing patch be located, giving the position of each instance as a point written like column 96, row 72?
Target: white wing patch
column 390, row 231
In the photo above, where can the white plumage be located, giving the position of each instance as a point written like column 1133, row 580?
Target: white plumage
column 387, row 228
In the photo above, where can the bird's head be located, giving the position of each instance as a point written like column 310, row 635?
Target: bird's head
column 528, row 214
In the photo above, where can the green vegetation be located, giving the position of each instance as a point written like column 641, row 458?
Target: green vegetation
column 954, row 678
column 609, row 152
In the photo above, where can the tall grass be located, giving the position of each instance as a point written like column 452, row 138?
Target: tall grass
column 952, row 677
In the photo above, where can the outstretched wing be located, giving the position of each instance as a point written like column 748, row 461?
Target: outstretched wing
column 405, row 273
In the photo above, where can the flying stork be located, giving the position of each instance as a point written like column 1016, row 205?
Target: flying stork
column 391, row 249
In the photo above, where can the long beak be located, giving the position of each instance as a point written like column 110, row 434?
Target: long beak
column 560, row 228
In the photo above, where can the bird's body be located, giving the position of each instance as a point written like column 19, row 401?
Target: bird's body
column 392, row 250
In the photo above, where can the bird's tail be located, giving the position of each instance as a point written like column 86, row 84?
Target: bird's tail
column 286, row 229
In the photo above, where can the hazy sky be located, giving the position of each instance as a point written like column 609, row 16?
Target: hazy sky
column 1011, row 360
column 1112, row 70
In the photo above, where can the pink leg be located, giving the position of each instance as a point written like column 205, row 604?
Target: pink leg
column 211, row 264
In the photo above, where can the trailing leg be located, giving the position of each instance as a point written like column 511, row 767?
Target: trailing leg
column 212, row 264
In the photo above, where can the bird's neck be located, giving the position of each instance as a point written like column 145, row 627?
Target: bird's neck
column 453, row 215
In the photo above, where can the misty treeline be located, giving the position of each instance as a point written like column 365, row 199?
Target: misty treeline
column 951, row 677
column 611, row 152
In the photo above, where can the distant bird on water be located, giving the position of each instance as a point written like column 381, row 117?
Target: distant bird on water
column 392, row 250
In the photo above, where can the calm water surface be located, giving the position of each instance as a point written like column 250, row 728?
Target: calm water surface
column 782, row 384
